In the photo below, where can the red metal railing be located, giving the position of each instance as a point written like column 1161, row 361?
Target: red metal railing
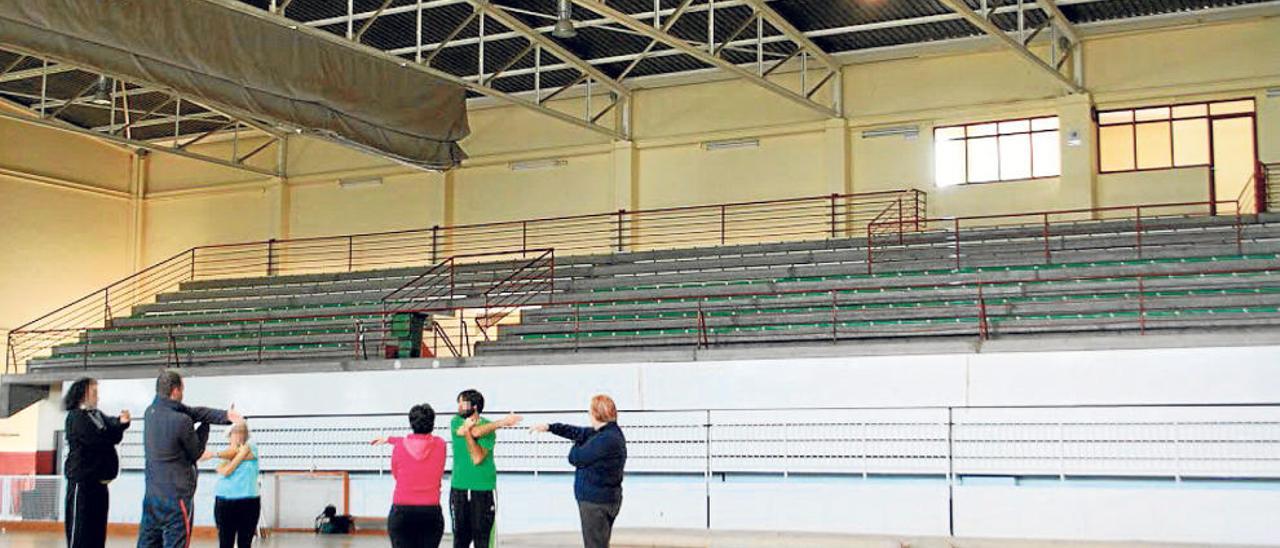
column 432, row 291
column 427, row 293
column 439, row 336
column 816, row 217
column 1253, row 196
column 951, row 228
column 532, row 283
column 955, row 311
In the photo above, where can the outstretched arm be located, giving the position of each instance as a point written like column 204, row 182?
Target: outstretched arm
column 491, row 427
column 576, row 434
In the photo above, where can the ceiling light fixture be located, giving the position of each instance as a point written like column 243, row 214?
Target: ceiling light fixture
column 564, row 24
column 102, row 95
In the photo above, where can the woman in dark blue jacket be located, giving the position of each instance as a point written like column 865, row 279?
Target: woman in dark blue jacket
column 599, row 454
column 91, row 464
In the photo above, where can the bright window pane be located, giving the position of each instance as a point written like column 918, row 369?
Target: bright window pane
column 1015, row 157
column 1231, row 107
column 1115, row 117
column 1016, row 126
column 1048, row 155
column 1115, row 146
column 1044, row 123
column 1155, row 150
column 1190, row 111
column 1148, row 114
column 980, row 130
column 1191, row 142
column 984, row 160
column 948, row 153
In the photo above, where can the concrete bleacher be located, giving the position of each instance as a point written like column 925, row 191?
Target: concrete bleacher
column 1201, row 272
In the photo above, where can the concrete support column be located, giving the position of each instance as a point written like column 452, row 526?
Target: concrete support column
column 626, row 184
column 837, row 157
column 139, row 169
column 1079, row 180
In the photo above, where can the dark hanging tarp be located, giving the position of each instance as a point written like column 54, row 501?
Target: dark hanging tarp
column 247, row 62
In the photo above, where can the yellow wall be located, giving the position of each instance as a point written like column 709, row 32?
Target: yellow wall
column 781, row 167
column 1182, row 185
column 402, row 202
column 64, row 233
column 39, row 151
column 496, row 193
column 174, row 224
column 65, row 243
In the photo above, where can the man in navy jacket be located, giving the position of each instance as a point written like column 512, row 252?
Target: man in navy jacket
column 599, row 455
column 173, row 445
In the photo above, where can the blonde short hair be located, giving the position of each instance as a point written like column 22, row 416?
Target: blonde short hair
column 242, row 427
column 603, row 408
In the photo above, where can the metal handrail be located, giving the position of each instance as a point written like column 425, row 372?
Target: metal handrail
column 613, row 231
column 955, row 224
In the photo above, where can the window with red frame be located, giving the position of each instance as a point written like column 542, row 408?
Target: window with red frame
column 1006, row 150
column 1161, row 137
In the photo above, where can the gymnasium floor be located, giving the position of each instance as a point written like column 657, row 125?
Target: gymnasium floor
column 622, row 539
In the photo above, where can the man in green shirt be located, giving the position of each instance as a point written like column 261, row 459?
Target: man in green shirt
column 472, row 505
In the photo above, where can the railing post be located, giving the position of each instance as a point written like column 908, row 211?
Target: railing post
column 722, row 222
column 915, row 195
column 835, row 318
column 1239, row 234
column 351, row 244
column 1048, row 256
column 576, row 326
column 698, row 325
column 551, row 293
column 620, row 214
column 106, row 306
column 1142, row 306
column 524, row 239
column 435, row 243
column 192, row 274
column 1260, row 189
column 271, row 257
column 832, row 199
column 983, row 333
column 900, row 222
column 870, row 248
column 1137, row 222
column 956, row 222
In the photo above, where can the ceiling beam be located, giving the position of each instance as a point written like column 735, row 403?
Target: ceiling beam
column 549, row 45
column 35, row 72
column 61, row 126
column 985, row 25
column 1067, row 29
column 791, row 32
column 803, row 42
column 206, row 116
column 653, row 33
column 1050, row 8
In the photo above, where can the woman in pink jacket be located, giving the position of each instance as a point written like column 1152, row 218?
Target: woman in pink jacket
column 417, row 463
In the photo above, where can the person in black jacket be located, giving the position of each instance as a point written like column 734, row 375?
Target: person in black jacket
column 599, row 455
column 173, row 444
column 91, row 464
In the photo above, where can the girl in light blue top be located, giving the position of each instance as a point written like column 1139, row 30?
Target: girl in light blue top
column 236, row 504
